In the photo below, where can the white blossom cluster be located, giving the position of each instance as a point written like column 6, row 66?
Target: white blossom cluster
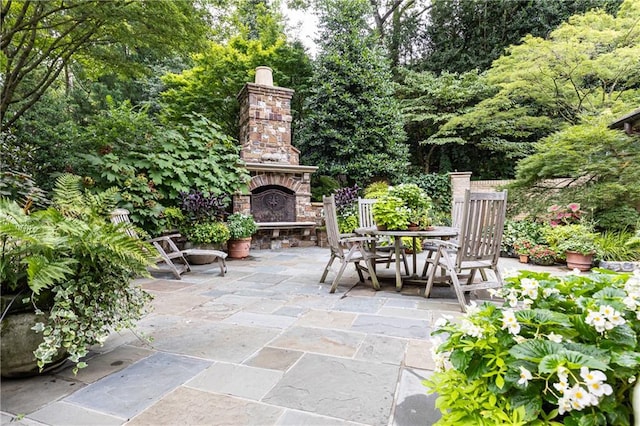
column 581, row 394
column 606, row 318
column 510, row 322
column 440, row 359
column 632, row 288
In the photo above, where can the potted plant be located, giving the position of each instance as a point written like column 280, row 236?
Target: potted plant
column 417, row 202
column 390, row 213
column 522, row 248
column 241, row 228
column 562, row 350
column 65, row 276
column 541, row 254
column 579, row 250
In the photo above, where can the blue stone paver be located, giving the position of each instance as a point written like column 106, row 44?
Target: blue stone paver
column 135, row 388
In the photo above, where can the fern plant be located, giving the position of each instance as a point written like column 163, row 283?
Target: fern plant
column 71, row 253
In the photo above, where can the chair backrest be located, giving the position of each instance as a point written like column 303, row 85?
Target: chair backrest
column 483, row 216
column 331, row 222
column 365, row 213
column 456, row 212
column 119, row 216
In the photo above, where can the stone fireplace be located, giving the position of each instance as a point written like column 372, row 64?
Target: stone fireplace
column 280, row 188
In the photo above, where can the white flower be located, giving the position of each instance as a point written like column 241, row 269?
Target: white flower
column 494, row 292
column 595, row 381
column 546, row 292
column 526, row 303
column 580, row 397
column 472, row 309
column 554, row 337
column 525, row 376
column 605, row 319
column 519, row 339
column 564, row 405
column 470, row 329
column 440, row 322
column 510, row 322
column 530, row 288
column 596, row 320
column 575, row 271
column 630, row 302
column 512, row 298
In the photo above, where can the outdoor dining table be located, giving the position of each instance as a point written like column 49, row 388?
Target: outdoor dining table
column 435, row 232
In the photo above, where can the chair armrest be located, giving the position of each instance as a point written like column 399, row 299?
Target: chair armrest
column 164, row 238
column 442, row 243
column 357, row 239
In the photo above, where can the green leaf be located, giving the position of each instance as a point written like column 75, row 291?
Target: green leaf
column 535, row 350
column 570, row 359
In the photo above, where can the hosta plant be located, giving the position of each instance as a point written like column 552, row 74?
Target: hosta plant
column 560, row 350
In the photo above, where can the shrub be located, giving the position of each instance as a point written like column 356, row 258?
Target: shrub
column 207, row 233
column 562, row 350
column 521, row 230
column 614, row 245
column 323, row 185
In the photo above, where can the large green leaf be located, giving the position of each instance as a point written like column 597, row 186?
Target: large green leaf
column 570, row 359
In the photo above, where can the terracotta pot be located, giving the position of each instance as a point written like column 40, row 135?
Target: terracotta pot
column 239, row 249
column 524, row 258
column 579, row 261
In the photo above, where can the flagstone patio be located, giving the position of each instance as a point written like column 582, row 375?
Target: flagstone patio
column 264, row 345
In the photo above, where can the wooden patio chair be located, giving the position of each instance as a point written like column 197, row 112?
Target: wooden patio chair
column 168, row 252
column 477, row 247
column 383, row 247
column 347, row 248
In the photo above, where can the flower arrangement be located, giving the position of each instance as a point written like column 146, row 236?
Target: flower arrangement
column 567, row 215
column 241, row 226
column 522, row 247
column 542, row 255
column 562, row 350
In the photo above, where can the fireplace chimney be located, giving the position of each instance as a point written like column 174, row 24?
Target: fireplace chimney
column 264, row 76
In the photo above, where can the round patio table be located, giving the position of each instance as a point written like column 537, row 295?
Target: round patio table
column 435, row 232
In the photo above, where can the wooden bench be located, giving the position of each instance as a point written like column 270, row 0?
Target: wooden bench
column 276, row 227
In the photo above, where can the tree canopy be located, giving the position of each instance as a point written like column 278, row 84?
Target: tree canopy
column 41, row 40
column 353, row 127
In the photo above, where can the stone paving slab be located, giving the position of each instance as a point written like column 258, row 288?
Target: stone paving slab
column 329, row 342
column 359, row 304
column 299, row 418
column 327, row 319
column 136, row 387
column 274, row 358
column 382, row 349
column 413, row 405
column 24, row 396
column 348, row 389
column 390, row 326
column 260, row 320
column 207, row 339
column 103, row 365
column 63, row 413
column 187, row 406
column 237, row 380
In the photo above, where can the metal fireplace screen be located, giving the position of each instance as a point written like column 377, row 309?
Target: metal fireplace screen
column 273, row 204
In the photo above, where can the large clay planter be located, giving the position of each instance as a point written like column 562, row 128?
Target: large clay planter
column 17, row 343
column 239, row 249
column 202, row 259
column 524, row 258
column 579, row 261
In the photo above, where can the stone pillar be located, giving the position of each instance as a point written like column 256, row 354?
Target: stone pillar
column 460, row 182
